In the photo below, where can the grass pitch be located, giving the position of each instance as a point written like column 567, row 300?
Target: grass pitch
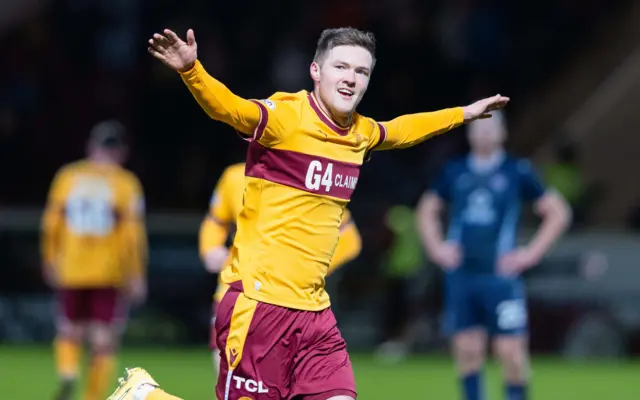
column 27, row 373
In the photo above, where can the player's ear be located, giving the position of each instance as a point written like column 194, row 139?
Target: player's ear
column 314, row 71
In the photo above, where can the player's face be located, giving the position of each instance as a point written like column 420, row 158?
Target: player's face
column 486, row 135
column 343, row 78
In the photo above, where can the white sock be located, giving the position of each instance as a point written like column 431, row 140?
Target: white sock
column 143, row 391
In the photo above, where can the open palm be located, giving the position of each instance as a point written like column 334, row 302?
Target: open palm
column 173, row 51
column 482, row 108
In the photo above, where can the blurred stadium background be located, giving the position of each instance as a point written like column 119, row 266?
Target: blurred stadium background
column 571, row 67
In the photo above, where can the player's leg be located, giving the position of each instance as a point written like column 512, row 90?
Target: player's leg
column 103, row 337
column 139, row 385
column 469, row 352
column 255, row 357
column 513, row 353
column 510, row 342
column 323, row 369
column 68, row 341
column 463, row 323
column 215, row 352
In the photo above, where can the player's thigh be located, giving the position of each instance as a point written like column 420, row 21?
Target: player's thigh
column 461, row 312
column 505, row 307
column 107, row 318
column 72, row 312
column 469, row 343
column 323, row 369
column 323, row 396
column 103, row 338
column 511, row 348
column 257, row 348
column 213, row 346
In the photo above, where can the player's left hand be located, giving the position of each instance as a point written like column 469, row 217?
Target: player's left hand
column 215, row 258
column 50, row 276
column 137, row 291
column 482, row 108
column 517, row 261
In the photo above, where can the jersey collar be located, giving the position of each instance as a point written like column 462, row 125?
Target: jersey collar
column 326, row 119
column 481, row 166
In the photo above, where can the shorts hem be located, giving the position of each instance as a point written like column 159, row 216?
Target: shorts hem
column 328, row 394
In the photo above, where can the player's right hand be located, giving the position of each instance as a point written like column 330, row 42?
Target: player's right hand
column 173, row 51
column 448, row 255
column 214, row 259
column 50, row 276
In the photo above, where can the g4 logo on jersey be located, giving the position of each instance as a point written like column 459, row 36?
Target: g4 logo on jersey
column 323, row 175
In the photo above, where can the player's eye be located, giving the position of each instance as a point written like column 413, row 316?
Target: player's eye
column 340, row 67
column 363, row 72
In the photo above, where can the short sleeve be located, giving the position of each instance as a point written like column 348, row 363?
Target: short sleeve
column 441, row 185
column 531, row 185
column 137, row 204
column 56, row 195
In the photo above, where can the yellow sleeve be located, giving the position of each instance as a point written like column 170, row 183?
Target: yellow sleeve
column 411, row 129
column 214, row 229
column 349, row 244
column 53, row 220
column 254, row 119
column 135, row 231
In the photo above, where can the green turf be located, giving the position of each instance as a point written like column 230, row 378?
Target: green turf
column 27, row 373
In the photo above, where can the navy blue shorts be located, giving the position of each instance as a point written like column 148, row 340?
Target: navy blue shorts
column 492, row 302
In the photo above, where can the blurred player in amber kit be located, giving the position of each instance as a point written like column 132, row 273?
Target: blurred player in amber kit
column 225, row 206
column 484, row 294
column 94, row 250
column 275, row 324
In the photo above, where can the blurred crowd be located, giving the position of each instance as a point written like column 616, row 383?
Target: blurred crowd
column 70, row 63
column 67, row 64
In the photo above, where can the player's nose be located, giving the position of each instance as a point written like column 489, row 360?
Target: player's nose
column 349, row 79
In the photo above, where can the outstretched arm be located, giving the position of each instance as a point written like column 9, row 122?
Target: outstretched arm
column 214, row 97
column 409, row 130
column 219, row 102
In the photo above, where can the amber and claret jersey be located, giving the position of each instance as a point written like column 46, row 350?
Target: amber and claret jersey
column 93, row 232
column 225, row 206
column 301, row 172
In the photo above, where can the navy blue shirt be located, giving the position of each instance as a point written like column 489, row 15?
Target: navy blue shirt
column 484, row 206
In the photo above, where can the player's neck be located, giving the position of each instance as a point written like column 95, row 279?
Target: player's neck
column 486, row 155
column 341, row 121
column 98, row 159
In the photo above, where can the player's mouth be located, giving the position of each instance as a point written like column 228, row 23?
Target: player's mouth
column 346, row 94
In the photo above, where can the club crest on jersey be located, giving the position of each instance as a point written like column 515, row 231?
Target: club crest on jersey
column 269, row 103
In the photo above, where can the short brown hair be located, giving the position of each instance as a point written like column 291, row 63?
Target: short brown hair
column 330, row 38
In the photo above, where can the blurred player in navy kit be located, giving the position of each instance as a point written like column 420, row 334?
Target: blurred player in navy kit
column 484, row 294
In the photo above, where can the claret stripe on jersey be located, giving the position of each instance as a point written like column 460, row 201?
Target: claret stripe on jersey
column 325, row 118
column 313, row 174
column 264, row 119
